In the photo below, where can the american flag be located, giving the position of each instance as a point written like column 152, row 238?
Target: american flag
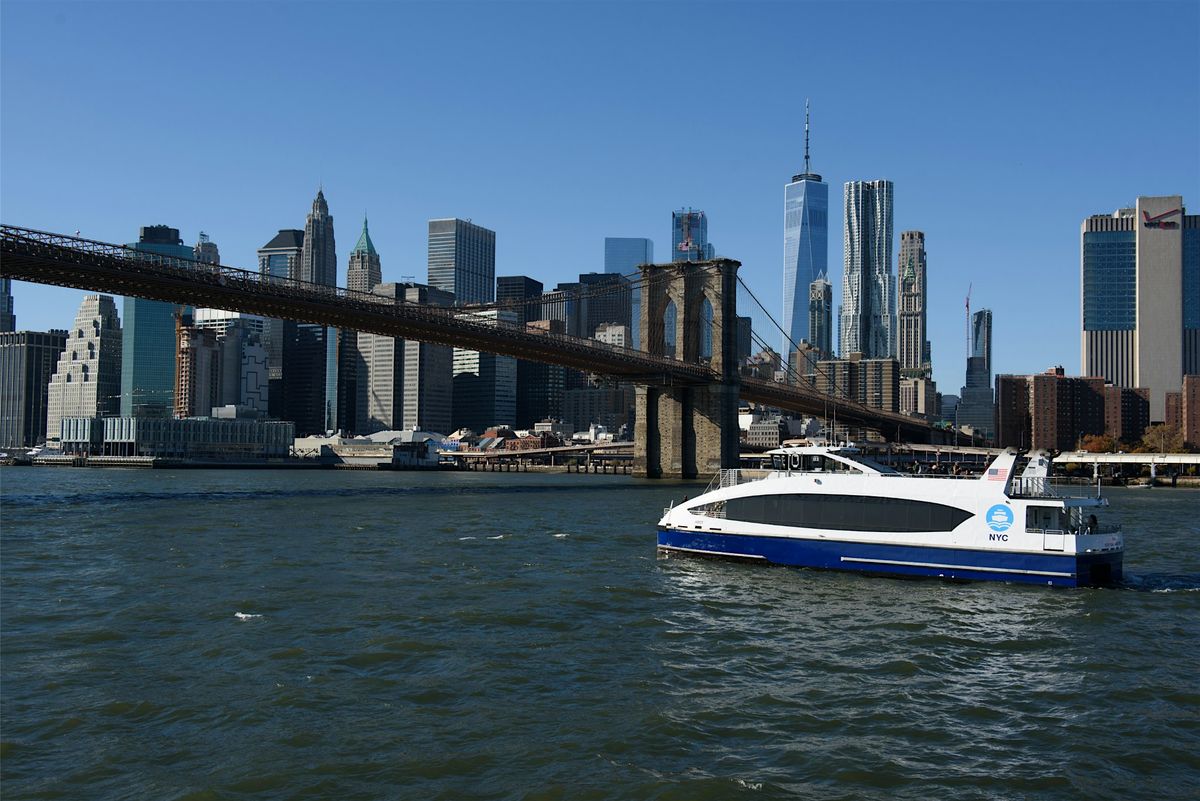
column 997, row 474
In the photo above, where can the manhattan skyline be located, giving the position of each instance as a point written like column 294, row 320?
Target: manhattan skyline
column 567, row 132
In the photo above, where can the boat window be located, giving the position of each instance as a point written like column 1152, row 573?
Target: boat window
column 874, row 465
column 845, row 512
column 715, row 509
column 831, row 465
column 814, row 463
column 1041, row 518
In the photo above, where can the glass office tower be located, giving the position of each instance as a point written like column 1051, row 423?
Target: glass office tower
column 977, row 407
column 1109, row 299
column 1141, row 297
column 148, row 338
column 623, row 255
column 279, row 259
column 689, row 236
column 805, row 246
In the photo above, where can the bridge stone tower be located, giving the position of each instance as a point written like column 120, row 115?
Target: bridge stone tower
column 688, row 431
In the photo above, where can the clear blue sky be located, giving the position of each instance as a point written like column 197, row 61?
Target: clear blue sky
column 1001, row 124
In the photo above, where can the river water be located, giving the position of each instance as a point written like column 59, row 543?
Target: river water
column 299, row 635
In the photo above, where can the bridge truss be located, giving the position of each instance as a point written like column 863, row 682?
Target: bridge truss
column 70, row 261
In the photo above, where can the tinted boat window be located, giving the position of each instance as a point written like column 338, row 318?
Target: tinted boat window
column 1041, row 518
column 845, row 513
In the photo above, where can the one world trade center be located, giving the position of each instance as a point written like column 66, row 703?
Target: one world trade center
column 805, row 247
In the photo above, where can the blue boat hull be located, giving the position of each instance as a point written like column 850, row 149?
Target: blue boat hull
column 1059, row 570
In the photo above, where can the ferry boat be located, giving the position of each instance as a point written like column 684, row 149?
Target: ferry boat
column 832, row 507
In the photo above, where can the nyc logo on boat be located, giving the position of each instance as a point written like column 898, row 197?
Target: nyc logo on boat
column 999, row 518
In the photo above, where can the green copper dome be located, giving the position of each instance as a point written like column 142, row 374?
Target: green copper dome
column 364, row 241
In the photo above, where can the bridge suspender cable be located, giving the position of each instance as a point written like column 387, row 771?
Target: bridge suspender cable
column 64, row 260
column 792, row 342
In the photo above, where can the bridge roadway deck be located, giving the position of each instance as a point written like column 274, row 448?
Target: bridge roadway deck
column 61, row 260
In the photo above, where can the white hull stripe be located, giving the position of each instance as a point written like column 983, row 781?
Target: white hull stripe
column 960, row 567
column 712, row 553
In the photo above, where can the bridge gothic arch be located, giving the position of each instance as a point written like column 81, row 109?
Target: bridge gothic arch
column 706, row 328
column 687, row 431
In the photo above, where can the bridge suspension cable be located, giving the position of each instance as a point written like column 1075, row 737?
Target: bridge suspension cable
column 634, row 281
column 837, row 388
column 63, row 260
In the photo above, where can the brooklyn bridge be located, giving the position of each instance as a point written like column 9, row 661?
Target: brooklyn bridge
column 686, row 402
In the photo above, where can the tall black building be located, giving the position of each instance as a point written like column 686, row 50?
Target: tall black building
column 511, row 290
column 745, row 344
column 8, row 320
column 303, row 401
column 609, row 300
column 278, row 260
column 978, row 408
column 27, row 361
column 523, row 295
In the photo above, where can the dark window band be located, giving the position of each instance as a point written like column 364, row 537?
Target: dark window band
column 845, row 513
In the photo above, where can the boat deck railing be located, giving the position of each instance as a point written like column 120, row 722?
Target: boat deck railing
column 1021, row 487
column 1107, row 528
column 1043, row 487
column 732, row 477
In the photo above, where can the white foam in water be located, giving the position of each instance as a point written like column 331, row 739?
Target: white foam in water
column 460, row 539
column 561, row 536
column 497, row 537
column 244, row 616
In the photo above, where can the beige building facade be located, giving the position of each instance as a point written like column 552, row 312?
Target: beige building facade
column 1140, row 276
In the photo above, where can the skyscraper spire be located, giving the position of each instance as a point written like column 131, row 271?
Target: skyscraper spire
column 807, row 169
column 808, row 174
column 365, row 245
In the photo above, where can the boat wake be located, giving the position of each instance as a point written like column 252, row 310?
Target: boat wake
column 1161, row 582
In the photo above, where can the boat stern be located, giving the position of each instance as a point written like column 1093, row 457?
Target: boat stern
column 1099, row 559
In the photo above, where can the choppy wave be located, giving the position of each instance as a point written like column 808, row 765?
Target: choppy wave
column 18, row 500
column 1161, row 582
column 400, row 655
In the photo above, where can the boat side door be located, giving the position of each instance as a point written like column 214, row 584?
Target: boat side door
column 1047, row 521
